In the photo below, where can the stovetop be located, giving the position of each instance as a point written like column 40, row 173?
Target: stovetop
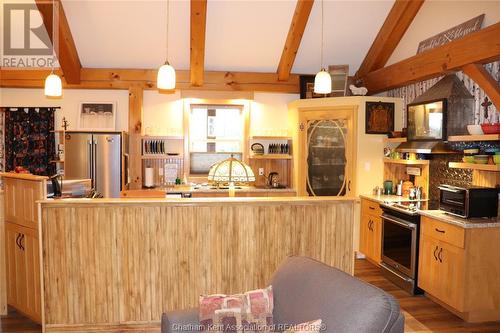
column 407, row 207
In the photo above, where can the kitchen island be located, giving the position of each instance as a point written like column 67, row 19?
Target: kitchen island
column 115, row 264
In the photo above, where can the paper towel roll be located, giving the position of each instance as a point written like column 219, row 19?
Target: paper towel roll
column 149, row 177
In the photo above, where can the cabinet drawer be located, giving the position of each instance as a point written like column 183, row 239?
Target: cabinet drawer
column 443, row 231
column 370, row 207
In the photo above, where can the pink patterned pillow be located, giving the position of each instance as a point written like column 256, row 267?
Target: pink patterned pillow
column 313, row 326
column 248, row 312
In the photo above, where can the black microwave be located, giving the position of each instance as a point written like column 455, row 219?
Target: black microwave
column 471, row 201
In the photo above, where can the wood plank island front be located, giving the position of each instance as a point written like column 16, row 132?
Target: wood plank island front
column 114, row 264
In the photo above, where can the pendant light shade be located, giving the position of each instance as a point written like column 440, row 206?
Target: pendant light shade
column 53, row 86
column 166, row 77
column 166, row 73
column 323, row 82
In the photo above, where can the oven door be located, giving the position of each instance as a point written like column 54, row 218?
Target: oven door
column 399, row 244
column 453, row 200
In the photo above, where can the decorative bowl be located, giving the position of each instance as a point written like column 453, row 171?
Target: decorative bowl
column 475, row 129
column 481, row 159
column 491, row 128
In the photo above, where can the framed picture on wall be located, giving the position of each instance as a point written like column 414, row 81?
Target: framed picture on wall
column 94, row 116
column 379, row 118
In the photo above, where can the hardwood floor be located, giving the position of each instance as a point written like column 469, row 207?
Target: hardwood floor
column 422, row 315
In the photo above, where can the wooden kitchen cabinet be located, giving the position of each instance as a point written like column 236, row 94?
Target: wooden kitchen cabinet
column 23, row 270
column 20, row 200
column 459, row 268
column 370, row 243
column 325, row 149
column 442, row 273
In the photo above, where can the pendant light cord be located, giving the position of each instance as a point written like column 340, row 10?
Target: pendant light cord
column 322, row 28
column 168, row 21
column 53, row 34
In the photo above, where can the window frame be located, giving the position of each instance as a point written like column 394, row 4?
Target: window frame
column 189, row 104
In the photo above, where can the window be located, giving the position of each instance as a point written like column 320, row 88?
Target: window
column 215, row 132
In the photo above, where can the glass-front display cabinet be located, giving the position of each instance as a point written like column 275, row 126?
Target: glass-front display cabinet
column 326, row 159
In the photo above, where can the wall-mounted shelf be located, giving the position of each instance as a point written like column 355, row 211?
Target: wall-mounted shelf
column 394, row 140
column 160, row 157
column 474, row 166
column 166, row 137
column 406, row 162
column 271, row 157
column 271, row 137
column 484, row 137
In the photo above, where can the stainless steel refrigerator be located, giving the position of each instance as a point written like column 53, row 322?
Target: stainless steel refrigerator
column 96, row 156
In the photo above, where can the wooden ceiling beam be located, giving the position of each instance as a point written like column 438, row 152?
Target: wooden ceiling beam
column 479, row 47
column 294, row 37
column 480, row 75
column 66, row 52
column 124, row 78
column 198, row 29
column 397, row 22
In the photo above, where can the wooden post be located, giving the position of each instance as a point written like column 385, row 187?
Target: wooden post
column 135, row 101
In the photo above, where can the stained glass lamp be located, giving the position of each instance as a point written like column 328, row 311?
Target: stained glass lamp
column 230, row 171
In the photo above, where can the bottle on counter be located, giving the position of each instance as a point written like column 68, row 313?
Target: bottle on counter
column 399, row 188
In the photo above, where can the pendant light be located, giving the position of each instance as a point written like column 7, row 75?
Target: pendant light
column 166, row 74
column 53, row 84
column 323, row 80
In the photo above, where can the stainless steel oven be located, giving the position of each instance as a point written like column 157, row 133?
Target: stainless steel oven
column 400, row 237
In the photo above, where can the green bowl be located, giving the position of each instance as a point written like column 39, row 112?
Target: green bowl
column 481, row 159
column 468, row 159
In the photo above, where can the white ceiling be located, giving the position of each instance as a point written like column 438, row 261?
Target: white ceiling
column 242, row 35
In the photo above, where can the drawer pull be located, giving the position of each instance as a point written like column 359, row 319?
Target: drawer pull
column 435, row 257
column 439, row 255
column 441, row 231
column 372, row 208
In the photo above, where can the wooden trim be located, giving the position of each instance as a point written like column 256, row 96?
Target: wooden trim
column 397, row 22
column 136, row 95
column 66, row 50
column 102, row 78
column 294, row 37
column 480, row 75
column 406, row 162
column 24, row 176
column 479, row 47
column 198, row 27
column 482, row 137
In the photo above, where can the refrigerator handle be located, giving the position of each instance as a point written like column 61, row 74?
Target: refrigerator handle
column 94, row 158
column 127, row 169
column 91, row 176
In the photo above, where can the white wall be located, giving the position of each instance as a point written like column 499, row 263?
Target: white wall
column 269, row 113
column 162, row 113
column 69, row 103
column 436, row 16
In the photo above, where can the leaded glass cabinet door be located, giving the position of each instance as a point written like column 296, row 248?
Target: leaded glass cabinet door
column 327, row 142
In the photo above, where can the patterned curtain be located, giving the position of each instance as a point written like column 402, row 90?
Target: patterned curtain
column 29, row 139
column 484, row 110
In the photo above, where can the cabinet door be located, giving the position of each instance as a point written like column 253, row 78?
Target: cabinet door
column 365, row 235
column 16, row 270
column 376, row 239
column 441, row 271
column 428, row 266
column 20, row 201
column 23, row 270
column 327, row 153
column 451, row 275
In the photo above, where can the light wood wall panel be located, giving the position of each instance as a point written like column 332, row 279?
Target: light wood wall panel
column 127, row 263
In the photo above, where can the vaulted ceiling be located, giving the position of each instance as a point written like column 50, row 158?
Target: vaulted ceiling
column 243, row 35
